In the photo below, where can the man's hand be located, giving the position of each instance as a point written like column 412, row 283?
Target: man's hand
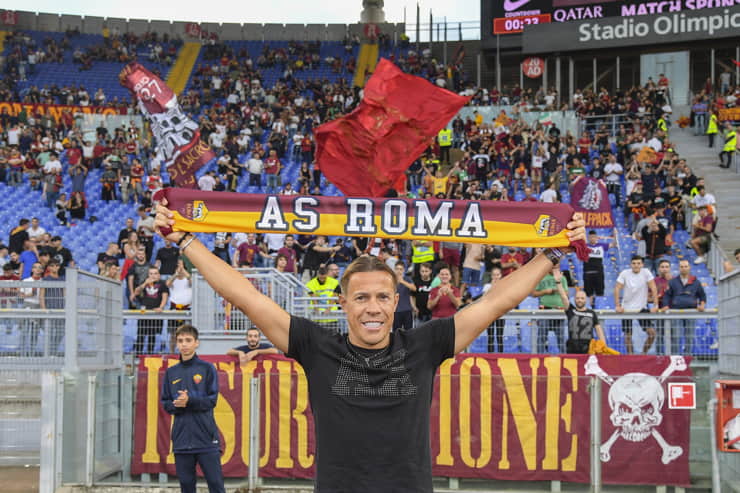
column 182, row 399
column 619, row 309
column 245, row 358
column 700, row 307
column 557, row 274
column 164, row 219
column 654, row 309
column 577, row 228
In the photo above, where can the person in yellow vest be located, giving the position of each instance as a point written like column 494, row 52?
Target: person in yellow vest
column 662, row 125
column 712, row 128
column 325, row 287
column 444, row 139
column 728, row 151
column 421, row 252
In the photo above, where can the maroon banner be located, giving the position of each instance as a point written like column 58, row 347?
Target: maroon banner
column 589, row 196
column 643, row 441
column 177, row 136
column 366, row 152
column 9, row 17
column 511, row 417
column 192, row 29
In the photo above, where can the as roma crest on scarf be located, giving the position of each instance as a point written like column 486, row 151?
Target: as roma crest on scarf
column 197, row 378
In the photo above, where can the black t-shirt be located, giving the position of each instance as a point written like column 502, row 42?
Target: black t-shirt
column 64, row 257
column 245, row 348
column 151, row 296
column 168, row 258
column 371, row 408
column 421, row 294
column 581, row 323
column 105, row 258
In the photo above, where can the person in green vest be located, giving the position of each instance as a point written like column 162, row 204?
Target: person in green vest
column 712, row 128
column 444, row 139
column 728, row 151
column 325, row 287
column 549, row 298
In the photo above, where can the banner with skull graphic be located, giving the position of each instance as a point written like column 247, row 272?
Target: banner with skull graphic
column 590, row 197
column 643, row 441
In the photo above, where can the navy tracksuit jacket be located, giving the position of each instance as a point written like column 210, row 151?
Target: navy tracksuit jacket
column 194, row 430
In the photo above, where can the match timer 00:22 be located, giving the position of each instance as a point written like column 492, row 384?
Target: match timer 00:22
column 510, row 25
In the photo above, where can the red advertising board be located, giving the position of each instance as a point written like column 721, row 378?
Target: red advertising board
column 515, row 417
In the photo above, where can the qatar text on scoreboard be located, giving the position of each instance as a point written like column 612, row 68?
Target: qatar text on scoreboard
column 512, row 16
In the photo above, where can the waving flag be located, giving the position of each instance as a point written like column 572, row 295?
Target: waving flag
column 178, row 137
column 366, row 152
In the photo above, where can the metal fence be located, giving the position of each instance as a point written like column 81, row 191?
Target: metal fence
column 43, row 326
column 213, row 314
column 612, row 123
column 80, row 401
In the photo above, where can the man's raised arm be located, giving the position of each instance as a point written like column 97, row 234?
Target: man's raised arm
column 233, row 286
column 507, row 293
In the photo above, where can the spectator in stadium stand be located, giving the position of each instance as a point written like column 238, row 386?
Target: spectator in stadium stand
column 30, row 327
column 702, row 234
column 207, row 182
column 551, row 194
column 136, row 273
column 145, row 230
column 248, row 253
column 166, row 260
column 728, row 265
column 495, row 331
column 549, row 299
column 581, row 320
column 253, row 348
column 403, row 317
column 444, row 299
column 684, row 292
column 662, row 279
column 221, row 243
column 195, row 435
column 593, row 268
column 35, row 230
column 181, row 296
column 62, row 254
column 512, row 260
column 124, row 233
column 109, row 255
column 654, row 235
column 18, row 236
column 272, row 168
column 613, row 171
column 108, row 182
column 153, row 294
column 28, row 257
column 423, row 286
column 636, row 282
column 53, row 299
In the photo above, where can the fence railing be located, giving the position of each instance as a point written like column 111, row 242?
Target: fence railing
column 612, row 123
column 79, row 402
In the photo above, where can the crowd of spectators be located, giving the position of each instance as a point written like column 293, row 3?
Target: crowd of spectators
column 257, row 131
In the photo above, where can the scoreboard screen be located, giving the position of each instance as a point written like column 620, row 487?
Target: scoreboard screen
column 500, row 17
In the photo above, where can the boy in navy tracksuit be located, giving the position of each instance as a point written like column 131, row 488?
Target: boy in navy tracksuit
column 189, row 392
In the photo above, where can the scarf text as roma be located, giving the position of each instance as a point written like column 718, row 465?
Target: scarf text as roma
column 523, row 224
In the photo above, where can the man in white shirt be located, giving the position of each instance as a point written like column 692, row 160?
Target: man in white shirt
column 255, row 165
column 207, row 182
column 550, row 195
column 35, row 231
column 703, row 198
column 636, row 282
column 53, row 164
column 613, row 171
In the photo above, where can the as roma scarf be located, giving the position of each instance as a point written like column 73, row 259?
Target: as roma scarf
column 524, row 224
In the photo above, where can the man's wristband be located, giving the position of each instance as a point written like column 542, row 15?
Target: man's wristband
column 182, row 238
column 554, row 255
column 187, row 243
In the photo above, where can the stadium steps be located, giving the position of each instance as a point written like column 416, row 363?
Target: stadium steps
column 722, row 183
column 366, row 62
column 180, row 73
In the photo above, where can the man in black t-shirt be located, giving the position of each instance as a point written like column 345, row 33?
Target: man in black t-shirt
column 167, row 258
column 61, row 254
column 253, row 347
column 153, row 294
column 421, row 294
column 109, row 255
column 370, row 388
column 582, row 321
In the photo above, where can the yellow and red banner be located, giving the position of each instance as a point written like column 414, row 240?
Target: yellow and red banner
column 516, row 417
column 55, row 110
column 523, row 224
column 729, row 114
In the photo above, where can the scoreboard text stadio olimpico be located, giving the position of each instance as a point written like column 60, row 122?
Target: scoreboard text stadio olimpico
column 512, row 16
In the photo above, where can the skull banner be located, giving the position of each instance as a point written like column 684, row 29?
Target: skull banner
column 643, row 441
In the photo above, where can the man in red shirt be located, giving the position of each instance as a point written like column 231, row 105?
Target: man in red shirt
column 702, row 234
column 272, row 171
column 248, row 252
column 511, row 261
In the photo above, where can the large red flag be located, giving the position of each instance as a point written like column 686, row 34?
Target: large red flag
column 366, row 152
